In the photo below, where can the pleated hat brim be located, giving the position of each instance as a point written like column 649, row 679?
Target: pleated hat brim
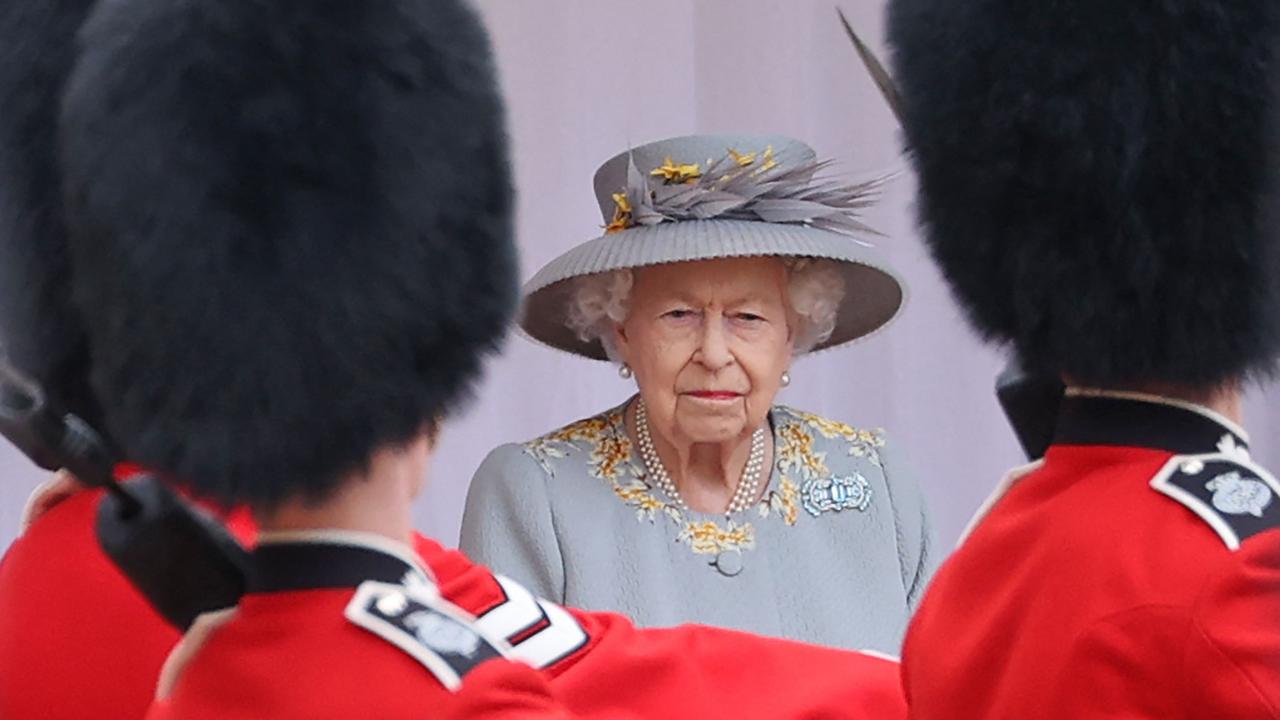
column 874, row 292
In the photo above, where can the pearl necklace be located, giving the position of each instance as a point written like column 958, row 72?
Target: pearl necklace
column 744, row 496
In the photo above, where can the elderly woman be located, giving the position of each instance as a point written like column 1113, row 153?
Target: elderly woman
column 699, row 499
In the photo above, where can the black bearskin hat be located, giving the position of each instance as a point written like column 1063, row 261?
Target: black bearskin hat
column 290, row 227
column 39, row 331
column 1098, row 179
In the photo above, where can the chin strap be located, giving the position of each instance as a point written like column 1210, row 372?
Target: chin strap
column 182, row 560
column 1031, row 403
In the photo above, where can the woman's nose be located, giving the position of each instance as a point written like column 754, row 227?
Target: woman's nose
column 713, row 352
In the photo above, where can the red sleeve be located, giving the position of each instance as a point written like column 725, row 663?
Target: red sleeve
column 1233, row 652
column 497, row 690
column 501, row 690
column 698, row 672
column 75, row 636
column 65, row 614
column 689, row 671
column 159, row 710
column 1219, row 658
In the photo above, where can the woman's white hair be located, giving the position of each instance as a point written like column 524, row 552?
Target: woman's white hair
column 815, row 289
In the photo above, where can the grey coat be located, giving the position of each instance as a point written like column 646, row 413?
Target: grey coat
column 571, row 517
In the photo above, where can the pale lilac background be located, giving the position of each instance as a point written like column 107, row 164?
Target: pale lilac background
column 584, row 79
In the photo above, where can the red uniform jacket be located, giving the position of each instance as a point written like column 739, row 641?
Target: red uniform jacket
column 75, row 637
column 599, row 665
column 1134, row 573
column 343, row 626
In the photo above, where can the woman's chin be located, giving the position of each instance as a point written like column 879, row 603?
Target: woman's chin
column 711, row 419
column 711, row 436
column 712, row 429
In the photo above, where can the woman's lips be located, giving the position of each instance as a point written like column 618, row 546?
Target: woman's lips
column 715, row 395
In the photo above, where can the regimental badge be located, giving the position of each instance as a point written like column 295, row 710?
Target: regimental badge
column 443, row 634
column 434, row 632
column 833, row 494
column 1235, row 494
column 1230, row 492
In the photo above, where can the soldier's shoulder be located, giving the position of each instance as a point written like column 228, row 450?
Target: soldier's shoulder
column 444, row 639
column 1234, row 495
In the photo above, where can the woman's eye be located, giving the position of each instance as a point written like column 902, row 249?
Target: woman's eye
column 679, row 314
column 750, row 317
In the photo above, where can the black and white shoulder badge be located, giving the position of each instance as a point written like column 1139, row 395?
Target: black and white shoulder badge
column 1234, row 495
column 432, row 630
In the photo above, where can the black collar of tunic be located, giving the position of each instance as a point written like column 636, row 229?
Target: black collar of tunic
column 1128, row 422
column 289, row 566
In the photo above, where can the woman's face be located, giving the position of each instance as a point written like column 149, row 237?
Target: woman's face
column 708, row 342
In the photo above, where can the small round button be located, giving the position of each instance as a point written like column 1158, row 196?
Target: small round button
column 728, row 562
column 393, row 603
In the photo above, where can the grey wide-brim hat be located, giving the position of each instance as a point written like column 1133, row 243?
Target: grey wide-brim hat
column 662, row 227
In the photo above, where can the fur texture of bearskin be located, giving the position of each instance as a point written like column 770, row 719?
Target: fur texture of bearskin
column 291, row 231
column 1098, row 180
column 39, row 331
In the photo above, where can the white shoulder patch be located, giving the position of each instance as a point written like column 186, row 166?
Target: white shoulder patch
column 1232, row 494
column 440, row 635
column 540, row 632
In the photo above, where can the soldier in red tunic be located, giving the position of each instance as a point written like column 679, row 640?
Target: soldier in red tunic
column 283, row 255
column 289, row 257
column 1098, row 182
column 60, row 656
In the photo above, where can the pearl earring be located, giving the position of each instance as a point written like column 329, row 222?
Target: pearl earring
column 624, row 371
column 786, row 378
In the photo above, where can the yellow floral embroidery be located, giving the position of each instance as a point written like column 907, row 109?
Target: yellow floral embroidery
column 591, row 429
column 708, row 538
column 862, row 443
column 835, row 429
column 552, row 445
column 785, row 503
column 796, row 454
column 610, row 456
column 795, row 441
column 637, row 495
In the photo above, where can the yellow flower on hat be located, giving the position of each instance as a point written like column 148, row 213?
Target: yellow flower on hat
column 769, row 161
column 673, row 173
column 742, row 159
column 621, row 214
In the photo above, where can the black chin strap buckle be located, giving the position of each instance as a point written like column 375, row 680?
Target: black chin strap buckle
column 1031, row 403
column 182, row 560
